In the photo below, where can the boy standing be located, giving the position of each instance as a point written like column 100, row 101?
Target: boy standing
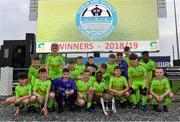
column 111, row 64
column 80, row 66
column 138, row 82
column 55, row 62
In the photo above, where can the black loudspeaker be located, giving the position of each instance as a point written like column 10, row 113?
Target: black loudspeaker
column 176, row 62
column 31, row 37
column 96, row 54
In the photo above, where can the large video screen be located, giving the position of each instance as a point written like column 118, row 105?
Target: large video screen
column 97, row 25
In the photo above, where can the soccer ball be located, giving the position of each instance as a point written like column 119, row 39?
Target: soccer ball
column 96, row 11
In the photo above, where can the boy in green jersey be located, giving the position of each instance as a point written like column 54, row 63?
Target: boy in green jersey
column 119, row 87
column 80, row 66
column 127, row 54
column 105, row 74
column 111, row 64
column 74, row 73
column 92, row 70
column 33, row 69
column 22, row 93
column 138, row 82
column 148, row 64
column 41, row 91
column 99, row 86
column 55, row 62
column 85, row 91
column 160, row 91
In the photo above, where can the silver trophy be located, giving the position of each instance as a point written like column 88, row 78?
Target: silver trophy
column 106, row 99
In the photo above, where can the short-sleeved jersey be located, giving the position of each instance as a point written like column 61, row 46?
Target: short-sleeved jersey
column 55, row 65
column 80, row 68
column 110, row 68
column 74, row 74
column 118, row 83
column 41, row 87
column 83, row 87
column 150, row 66
column 99, row 87
column 127, row 60
column 137, row 74
column 22, row 91
column 160, row 87
column 33, row 72
column 55, row 62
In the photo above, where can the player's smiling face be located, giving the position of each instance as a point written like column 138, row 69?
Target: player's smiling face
column 22, row 82
column 99, row 77
column 119, row 58
column 134, row 62
column 159, row 73
column 66, row 75
column 117, row 72
column 36, row 63
column 80, row 61
column 43, row 76
column 54, row 49
column 103, row 70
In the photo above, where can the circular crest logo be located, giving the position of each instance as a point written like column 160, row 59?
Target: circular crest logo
column 96, row 19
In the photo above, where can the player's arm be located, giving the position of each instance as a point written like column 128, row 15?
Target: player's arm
column 153, row 94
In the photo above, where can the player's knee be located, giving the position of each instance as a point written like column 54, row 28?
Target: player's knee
column 150, row 97
column 26, row 101
column 80, row 102
column 171, row 95
column 33, row 98
column 127, row 94
column 90, row 90
column 51, row 95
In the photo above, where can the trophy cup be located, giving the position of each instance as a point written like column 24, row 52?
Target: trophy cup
column 107, row 99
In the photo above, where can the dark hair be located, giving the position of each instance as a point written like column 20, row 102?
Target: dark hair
column 119, row 54
column 36, row 58
column 133, row 56
column 86, row 71
column 145, row 52
column 79, row 57
column 54, row 45
column 112, row 56
column 117, row 67
column 72, row 62
column 126, row 48
column 98, row 73
column 41, row 70
column 90, row 57
column 22, row 75
column 103, row 65
column 65, row 70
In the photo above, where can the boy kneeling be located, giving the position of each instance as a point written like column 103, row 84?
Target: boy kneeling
column 41, row 91
column 65, row 89
column 23, row 93
column 160, row 91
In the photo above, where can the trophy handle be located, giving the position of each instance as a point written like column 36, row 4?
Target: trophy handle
column 104, row 110
column 113, row 105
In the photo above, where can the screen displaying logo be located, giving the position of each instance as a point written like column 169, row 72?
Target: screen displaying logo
column 96, row 19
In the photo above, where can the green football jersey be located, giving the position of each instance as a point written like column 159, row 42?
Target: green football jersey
column 150, row 67
column 99, row 87
column 118, row 83
column 74, row 74
column 127, row 60
column 110, row 68
column 55, row 65
column 80, row 68
column 83, row 87
column 33, row 72
column 160, row 87
column 137, row 74
column 22, row 91
column 41, row 87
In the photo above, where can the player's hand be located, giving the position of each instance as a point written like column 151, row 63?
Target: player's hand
column 80, row 95
column 71, row 92
column 161, row 98
column 120, row 93
column 44, row 111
